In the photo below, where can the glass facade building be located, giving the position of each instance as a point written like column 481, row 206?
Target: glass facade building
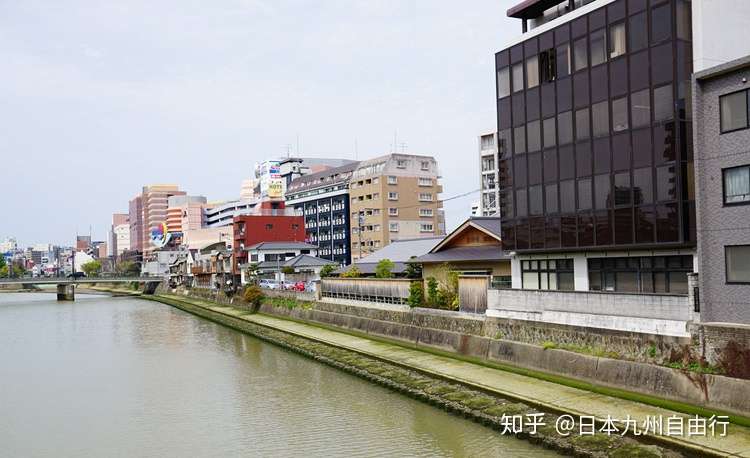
column 593, row 122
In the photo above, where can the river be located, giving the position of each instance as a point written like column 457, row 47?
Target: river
column 106, row 376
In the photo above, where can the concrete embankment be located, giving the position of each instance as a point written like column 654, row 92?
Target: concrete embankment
column 487, row 387
column 475, row 337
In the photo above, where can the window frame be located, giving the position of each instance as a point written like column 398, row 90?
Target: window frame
column 747, row 110
column 726, row 266
column 724, row 186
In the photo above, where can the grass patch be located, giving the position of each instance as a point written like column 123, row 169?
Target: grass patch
column 459, row 396
column 547, row 345
column 597, row 442
column 636, row 451
column 507, row 409
column 478, row 403
column 440, row 390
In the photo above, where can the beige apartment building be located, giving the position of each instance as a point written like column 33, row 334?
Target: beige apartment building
column 394, row 197
column 155, row 201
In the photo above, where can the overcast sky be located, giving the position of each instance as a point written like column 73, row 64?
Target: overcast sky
column 99, row 98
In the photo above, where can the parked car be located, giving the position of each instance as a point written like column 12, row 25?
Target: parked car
column 269, row 284
column 298, row 286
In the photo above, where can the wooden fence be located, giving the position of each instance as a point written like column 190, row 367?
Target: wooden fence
column 389, row 291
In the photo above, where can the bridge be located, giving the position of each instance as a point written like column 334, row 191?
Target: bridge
column 66, row 286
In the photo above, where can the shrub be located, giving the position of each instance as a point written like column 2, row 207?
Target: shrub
column 352, row 272
column 432, row 291
column 413, row 269
column 327, row 270
column 384, row 268
column 416, row 294
column 253, row 295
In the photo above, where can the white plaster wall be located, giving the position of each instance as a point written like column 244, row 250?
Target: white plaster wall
column 720, row 32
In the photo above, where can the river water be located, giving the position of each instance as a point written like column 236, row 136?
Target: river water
column 106, row 376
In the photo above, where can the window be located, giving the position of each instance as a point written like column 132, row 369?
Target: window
column 550, row 192
column 269, row 227
column 584, row 194
column 663, row 104
column 376, row 228
column 426, row 227
column 620, row 114
column 737, row 263
column 617, row 40
column 518, row 77
column 582, row 124
column 392, row 196
column 519, row 140
column 534, row 140
column 532, row 72
column 393, row 227
column 565, row 128
column 598, row 47
column 503, row 82
column 393, row 211
column 424, row 165
column 487, row 142
column 427, row 212
column 640, row 108
column 392, row 179
column 580, row 54
column 734, row 111
column 428, row 181
column 401, row 163
column 488, row 163
column 552, row 274
column 737, row 185
column 562, row 61
column 425, row 197
column 648, row 274
column 549, row 132
column 600, row 117
column 661, row 23
column 547, row 65
column 638, row 32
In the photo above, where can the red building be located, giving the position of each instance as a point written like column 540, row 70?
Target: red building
column 269, row 225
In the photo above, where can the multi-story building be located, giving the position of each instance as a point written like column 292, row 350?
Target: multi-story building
column 222, row 214
column 595, row 159
column 265, row 225
column 721, row 97
column 394, row 197
column 154, row 203
column 119, row 234
column 185, row 213
column 83, row 242
column 488, row 178
column 323, row 199
column 135, row 219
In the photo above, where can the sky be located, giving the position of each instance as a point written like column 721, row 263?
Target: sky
column 98, row 99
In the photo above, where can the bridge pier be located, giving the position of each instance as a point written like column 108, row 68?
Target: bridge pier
column 66, row 292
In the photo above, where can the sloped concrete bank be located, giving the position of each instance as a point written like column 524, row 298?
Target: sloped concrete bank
column 478, row 406
column 468, row 336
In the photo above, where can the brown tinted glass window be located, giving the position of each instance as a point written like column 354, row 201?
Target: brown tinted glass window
column 521, row 202
column 620, row 114
column 506, row 203
column 534, row 140
column 683, row 20
column 663, row 103
column 623, row 226
column 548, row 100
column 600, row 118
column 599, row 84
column 645, row 219
column 661, row 23
column 640, row 108
column 522, row 234
column 549, row 132
column 666, row 183
column 503, row 82
column 550, row 165
column 643, row 186
column 535, row 168
column 503, row 113
column 664, row 150
column 562, row 61
column 504, row 143
column 568, row 231
column 618, row 77
column 519, row 140
column 642, row 147
column 602, row 198
column 567, row 196
column 535, row 200
column 598, row 47
column 602, row 159
column 550, row 194
column 581, row 89
column 519, row 177
column 617, row 40
column 667, row 229
column 552, row 232
column 621, row 151
column 603, row 228
column 517, row 74
column 519, row 109
column 585, row 230
column 565, row 128
column 584, row 194
column 662, row 65
column 583, row 159
column 636, row 5
column 532, row 71
column 537, row 232
column 532, row 104
column 567, row 162
column 582, row 124
column 622, row 189
column 638, row 32
column 580, row 54
column 564, row 94
column 638, row 71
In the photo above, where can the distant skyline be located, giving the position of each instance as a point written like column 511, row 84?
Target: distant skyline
column 101, row 99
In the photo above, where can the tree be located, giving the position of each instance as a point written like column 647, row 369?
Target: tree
column 92, row 268
column 352, row 272
column 128, row 269
column 327, row 270
column 287, row 270
column 2, row 261
column 251, row 271
column 384, row 268
column 416, row 294
column 413, row 269
column 432, row 292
